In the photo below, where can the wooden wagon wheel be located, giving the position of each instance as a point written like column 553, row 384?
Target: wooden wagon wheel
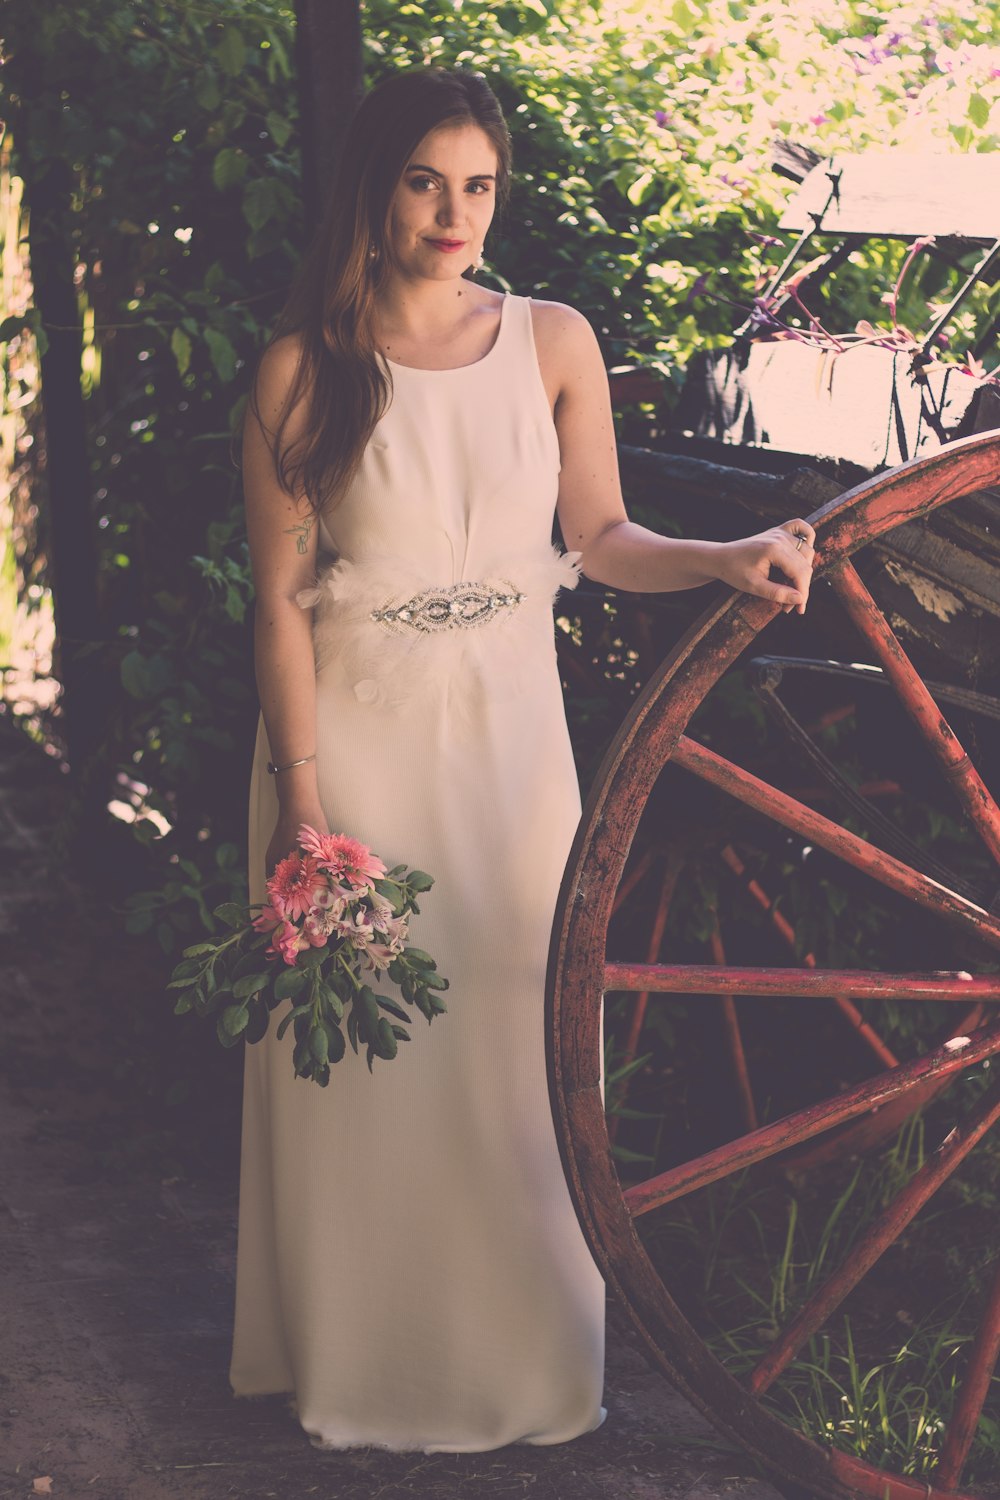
column 581, row 972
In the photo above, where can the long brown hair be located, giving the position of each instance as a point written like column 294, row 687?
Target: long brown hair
column 331, row 302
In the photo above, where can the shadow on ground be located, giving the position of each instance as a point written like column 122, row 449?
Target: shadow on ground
column 118, row 1236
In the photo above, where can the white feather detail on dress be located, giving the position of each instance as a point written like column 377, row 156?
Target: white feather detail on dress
column 389, row 665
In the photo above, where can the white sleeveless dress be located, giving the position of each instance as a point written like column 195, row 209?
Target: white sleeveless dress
column 410, row 1269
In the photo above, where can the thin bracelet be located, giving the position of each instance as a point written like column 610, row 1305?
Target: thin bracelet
column 272, row 768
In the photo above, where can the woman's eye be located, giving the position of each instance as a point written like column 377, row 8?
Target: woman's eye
column 479, row 187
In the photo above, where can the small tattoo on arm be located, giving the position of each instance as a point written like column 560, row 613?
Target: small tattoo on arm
column 301, row 533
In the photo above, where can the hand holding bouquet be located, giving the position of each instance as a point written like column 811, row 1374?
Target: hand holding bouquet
column 333, row 912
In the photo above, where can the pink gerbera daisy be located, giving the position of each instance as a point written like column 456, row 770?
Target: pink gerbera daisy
column 291, row 886
column 347, row 859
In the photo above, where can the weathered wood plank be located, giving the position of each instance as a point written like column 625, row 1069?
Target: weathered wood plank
column 903, row 193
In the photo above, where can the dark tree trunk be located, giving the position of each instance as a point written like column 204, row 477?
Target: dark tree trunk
column 329, row 64
column 82, row 655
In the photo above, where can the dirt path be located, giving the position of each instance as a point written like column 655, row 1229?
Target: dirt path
column 117, row 1244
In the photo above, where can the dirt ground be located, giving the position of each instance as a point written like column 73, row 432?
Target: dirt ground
column 118, row 1236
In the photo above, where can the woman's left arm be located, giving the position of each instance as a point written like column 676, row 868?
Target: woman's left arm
column 592, row 515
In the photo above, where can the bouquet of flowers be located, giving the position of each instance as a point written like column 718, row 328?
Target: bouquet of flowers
column 333, row 912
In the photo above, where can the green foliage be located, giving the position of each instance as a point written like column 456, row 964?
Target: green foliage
column 642, row 140
column 641, row 143
column 881, row 1378
column 184, row 221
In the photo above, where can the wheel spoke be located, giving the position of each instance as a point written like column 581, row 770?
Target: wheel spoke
column 734, row 1036
column 785, row 929
column 915, row 698
column 881, row 1233
column 890, row 872
column 859, row 1136
column 760, row 1144
column 861, row 984
column 968, row 1408
column 632, row 879
column 638, row 1013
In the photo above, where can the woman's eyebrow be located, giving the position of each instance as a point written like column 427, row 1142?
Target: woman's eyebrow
column 416, row 166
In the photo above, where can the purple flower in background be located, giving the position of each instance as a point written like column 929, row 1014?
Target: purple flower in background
column 696, row 290
column 663, row 118
column 819, row 119
column 764, row 240
column 873, row 52
column 762, row 319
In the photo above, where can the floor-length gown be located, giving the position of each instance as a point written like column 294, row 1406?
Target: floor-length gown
column 410, row 1269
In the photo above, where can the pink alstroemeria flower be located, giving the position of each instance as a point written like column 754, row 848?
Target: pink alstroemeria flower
column 267, row 920
column 327, row 896
column 348, row 859
column 318, row 927
column 289, row 941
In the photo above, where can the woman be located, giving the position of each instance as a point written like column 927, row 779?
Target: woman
column 410, row 1269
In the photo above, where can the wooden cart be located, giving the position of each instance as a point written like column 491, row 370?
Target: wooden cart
column 918, row 530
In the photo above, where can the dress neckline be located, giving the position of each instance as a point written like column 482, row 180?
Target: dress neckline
column 459, row 369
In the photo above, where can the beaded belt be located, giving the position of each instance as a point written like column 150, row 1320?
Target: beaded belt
column 445, row 608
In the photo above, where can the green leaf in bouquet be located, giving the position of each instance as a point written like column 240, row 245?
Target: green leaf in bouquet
column 199, row 948
column 234, row 1019
column 185, row 1002
column 247, row 963
column 329, row 995
column 311, row 958
column 302, row 1058
column 225, row 1037
column 336, row 1043
column 434, row 981
column 370, row 1055
column 319, row 1044
column 233, row 915
column 285, row 1021
column 250, row 984
column 215, row 998
column 385, row 1043
column 420, row 958
column 419, row 880
column 401, row 1033
column 352, row 1028
column 392, row 1007
column 396, row 971
column 396, row 871
column 257, row 1025
column 289, row 982
column 186, row 970
column 322, row 1076
column 368, row 1026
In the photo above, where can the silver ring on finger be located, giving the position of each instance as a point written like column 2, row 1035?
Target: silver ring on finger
column 802, row 537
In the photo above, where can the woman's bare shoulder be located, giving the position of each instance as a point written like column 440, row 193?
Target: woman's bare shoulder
column 566, row 343
column 281, row 359
column 276, row 372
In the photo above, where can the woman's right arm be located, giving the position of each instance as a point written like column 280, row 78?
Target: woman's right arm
column 282, row 535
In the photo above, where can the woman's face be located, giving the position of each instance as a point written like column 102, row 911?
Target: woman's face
column 444, row 203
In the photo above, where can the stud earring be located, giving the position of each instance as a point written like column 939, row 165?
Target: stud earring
column 372, row 252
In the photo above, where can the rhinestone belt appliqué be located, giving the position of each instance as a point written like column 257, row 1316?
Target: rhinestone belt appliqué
column 459, row 604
